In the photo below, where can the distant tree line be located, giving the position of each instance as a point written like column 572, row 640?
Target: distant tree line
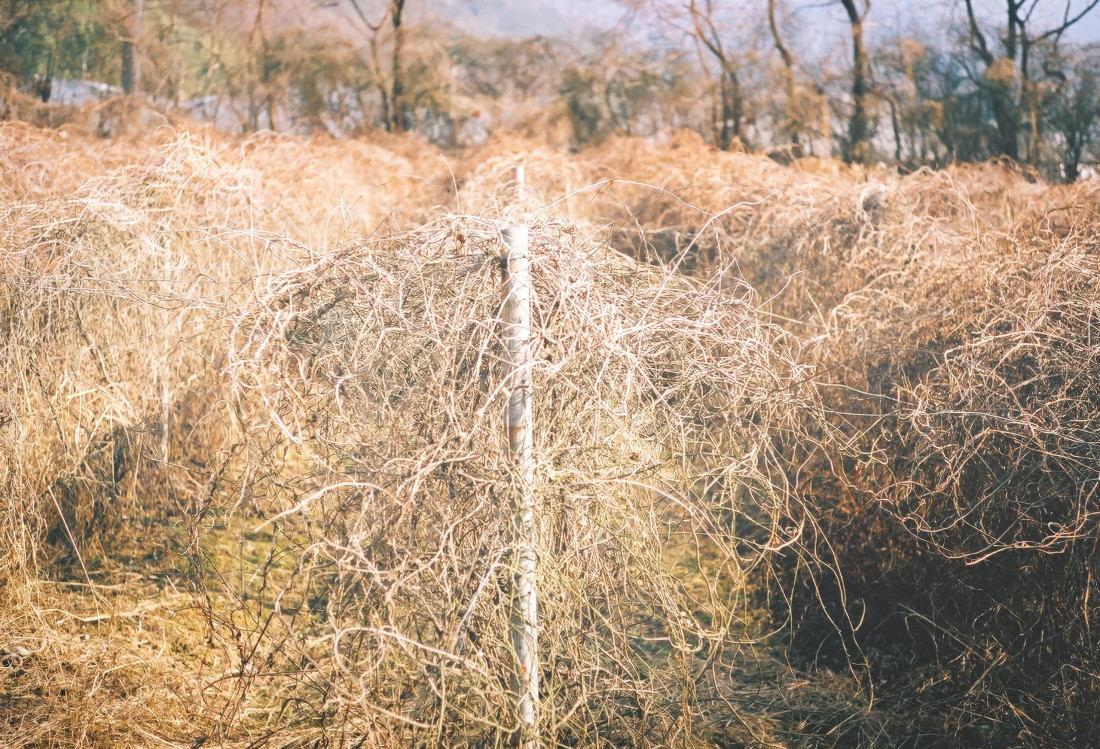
column 740, row 72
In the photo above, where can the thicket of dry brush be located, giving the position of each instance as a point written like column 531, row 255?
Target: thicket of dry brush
column 254, row 468
column 964, row 371
column 373, row 384
column 952, row 321
column 195, row 343
column 119, row 260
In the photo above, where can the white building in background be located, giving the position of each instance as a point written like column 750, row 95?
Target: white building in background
column 79, row 93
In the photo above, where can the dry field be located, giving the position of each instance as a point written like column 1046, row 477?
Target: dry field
column 818, row 448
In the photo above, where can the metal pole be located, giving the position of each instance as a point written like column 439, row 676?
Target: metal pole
column 518, row 294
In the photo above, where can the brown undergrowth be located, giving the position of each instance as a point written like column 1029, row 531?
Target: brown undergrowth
column 951, row 319
column 119, row 259
column 819, row 446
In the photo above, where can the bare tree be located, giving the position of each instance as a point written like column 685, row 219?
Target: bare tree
column 389, row 84
column 858, row 145
column 725, row 82
column 1008, row 76
column 904, row 78
column 260, row 96
column 1075, row 114
column 788, row 127
column 803, row 102
column 615, row 90
column 397, row 97
column 705, row 24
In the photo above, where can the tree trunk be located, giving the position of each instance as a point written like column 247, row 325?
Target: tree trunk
column 1004, row 112
column 131, row 57
column 791, row 127
column 897, row 127
column 1004, row 107
column 397, row 98
column 858, row 146
column 736, row 105
column 1072, row 170
column 730, row 108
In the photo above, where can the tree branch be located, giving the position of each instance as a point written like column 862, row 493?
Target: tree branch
column 1068, row 22
column 977, row 36
column 788, row 58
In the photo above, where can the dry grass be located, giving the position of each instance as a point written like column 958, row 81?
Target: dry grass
column 963, row 371
column 120, row 259
column 373, row 388
column 150, row 427
column 252, row 463
column 951, row 318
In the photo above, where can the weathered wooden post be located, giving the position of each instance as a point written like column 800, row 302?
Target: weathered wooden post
column 518, row 295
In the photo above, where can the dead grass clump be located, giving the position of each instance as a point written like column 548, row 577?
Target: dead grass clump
column 109, row 381
column 40, row 163
column 106, row 664
column 955, row 340
column 236, row 357
column 110, row 118
column 488, row 184
column 680, row 202
column 365, row 385
column 307, row 181
column 121, row 259
column 17, row 106
column 372, row 386
column 951, row 319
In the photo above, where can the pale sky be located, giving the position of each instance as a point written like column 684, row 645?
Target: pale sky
column 825, row 18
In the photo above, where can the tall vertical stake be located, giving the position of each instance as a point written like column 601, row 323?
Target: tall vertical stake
column 519, row 175
column 518, row 294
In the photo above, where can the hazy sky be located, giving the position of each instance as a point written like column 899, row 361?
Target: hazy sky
column 823, row 19
column 893, row 16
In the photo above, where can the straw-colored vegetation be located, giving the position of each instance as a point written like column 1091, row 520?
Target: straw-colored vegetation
column 816, row 446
